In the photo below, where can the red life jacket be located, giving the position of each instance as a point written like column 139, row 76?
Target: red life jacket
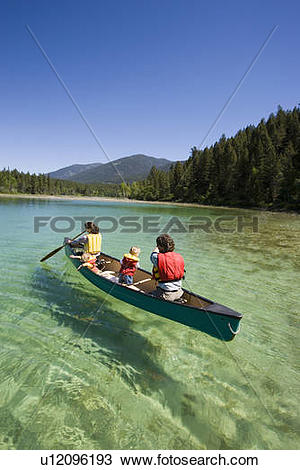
column 128, row 265
column 170, row 266
column 93, row 262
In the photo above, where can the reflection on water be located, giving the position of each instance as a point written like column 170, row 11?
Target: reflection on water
column 81, row 370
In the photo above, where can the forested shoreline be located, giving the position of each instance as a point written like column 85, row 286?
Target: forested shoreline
column 18, row 182
column 259, row 168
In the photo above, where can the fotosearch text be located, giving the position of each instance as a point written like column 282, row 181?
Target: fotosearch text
column 225, row 224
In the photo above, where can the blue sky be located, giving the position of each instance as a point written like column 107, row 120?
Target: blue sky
column 150, row 76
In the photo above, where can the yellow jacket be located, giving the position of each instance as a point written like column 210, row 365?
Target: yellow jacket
column 93, row 244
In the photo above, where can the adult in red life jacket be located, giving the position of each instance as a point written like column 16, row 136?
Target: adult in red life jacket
column 168, row 269
column 129, row 265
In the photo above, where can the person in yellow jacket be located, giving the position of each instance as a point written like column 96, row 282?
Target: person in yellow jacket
column 91, row 241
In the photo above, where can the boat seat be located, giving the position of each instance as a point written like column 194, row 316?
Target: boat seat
column 110, row 275
column 133, row 287
column 142, row 281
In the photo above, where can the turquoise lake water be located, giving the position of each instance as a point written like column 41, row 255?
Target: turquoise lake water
column 82, row 370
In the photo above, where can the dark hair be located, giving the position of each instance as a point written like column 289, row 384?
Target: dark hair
column 165, row 242
column 92, row 227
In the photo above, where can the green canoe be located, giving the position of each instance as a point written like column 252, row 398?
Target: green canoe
column 194, row 311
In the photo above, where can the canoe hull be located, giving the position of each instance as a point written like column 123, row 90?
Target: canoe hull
column 216, row 324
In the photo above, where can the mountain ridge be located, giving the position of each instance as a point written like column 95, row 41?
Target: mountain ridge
column 132, row 168
column 68, row 171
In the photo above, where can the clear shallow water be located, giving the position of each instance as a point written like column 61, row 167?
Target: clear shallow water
column 133, row 380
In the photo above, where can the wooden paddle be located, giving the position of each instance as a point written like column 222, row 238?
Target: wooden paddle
column 59, row 248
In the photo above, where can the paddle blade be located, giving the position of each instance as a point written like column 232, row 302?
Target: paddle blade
column 51, row 254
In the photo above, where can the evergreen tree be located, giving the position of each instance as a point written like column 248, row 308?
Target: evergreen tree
column 258, row 167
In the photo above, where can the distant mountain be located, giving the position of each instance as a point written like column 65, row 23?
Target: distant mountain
column 133, row 168
column 68, row 172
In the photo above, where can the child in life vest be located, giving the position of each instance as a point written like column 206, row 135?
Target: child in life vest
column 129, row 264
column 88, row 261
